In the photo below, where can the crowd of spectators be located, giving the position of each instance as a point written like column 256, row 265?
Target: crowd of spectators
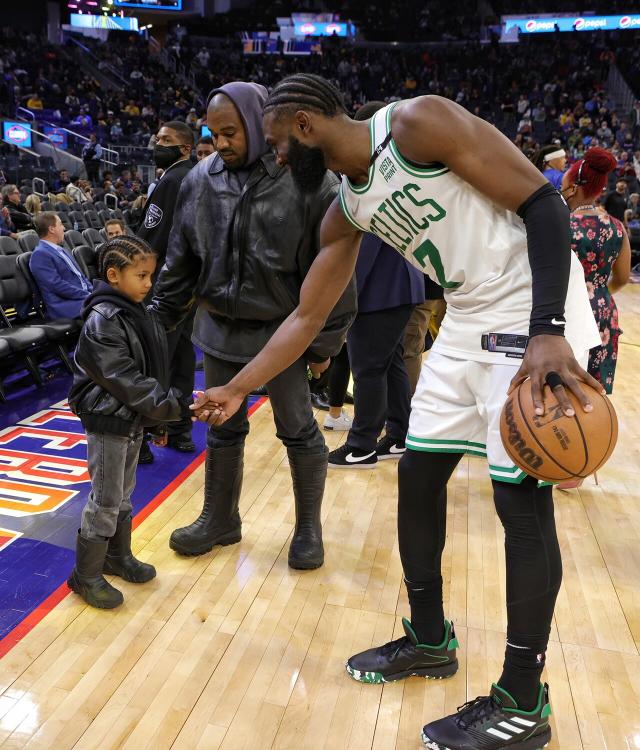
column 546, row 89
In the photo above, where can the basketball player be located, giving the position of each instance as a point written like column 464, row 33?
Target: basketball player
column 460, row 202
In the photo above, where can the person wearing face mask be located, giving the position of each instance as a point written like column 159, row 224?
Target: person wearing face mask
column 171, row 153
column 245, row 234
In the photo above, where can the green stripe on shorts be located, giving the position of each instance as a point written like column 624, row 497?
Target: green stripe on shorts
column 433, row 445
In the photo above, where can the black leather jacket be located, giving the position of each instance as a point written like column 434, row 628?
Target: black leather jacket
column 112, row 391
column 241, row 250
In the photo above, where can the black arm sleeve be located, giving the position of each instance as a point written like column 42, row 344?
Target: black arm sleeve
column 546, row 219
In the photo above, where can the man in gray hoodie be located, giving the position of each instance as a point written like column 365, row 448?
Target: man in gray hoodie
column 243, row 239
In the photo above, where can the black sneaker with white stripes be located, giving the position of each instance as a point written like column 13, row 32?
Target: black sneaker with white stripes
column 346, row 457
column 388, row 447
column 493, row 722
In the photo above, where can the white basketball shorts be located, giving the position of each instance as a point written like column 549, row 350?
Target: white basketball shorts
column 456, row 409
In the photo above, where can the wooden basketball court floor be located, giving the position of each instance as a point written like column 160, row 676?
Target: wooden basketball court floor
column 234, row 650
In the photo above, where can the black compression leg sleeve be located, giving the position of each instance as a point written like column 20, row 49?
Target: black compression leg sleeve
column 534, row 574
column 422, row 518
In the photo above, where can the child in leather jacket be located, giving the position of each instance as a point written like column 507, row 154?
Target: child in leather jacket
column 120, row 389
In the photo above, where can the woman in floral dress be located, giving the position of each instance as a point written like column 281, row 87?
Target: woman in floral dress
column 602, row 246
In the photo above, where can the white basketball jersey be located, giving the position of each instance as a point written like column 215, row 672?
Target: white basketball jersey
column 475, row 250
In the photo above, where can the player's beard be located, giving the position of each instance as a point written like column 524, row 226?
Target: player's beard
column 307, row 165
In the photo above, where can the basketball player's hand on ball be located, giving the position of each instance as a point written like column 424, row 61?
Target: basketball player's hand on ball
column 215, row 405
column 552, row 354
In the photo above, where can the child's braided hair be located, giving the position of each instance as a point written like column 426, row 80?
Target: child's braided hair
column 120, row 252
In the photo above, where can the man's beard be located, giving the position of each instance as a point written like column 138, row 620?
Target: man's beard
column 307, row 165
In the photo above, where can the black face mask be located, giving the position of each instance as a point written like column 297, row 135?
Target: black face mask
column 165, row 156
column 307, row 165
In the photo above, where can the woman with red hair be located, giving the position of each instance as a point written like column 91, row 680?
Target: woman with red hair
column 602, row 246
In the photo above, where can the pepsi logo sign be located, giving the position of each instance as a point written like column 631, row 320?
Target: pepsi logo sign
column 531, row 25
column 579, row 24
column 625, row 21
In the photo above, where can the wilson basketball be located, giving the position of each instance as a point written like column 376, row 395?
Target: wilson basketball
column 554, row 447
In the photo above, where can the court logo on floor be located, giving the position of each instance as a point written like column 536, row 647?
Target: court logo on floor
column 7, row 536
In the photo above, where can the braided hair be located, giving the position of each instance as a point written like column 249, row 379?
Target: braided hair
column 306, row 91
column 120, row 252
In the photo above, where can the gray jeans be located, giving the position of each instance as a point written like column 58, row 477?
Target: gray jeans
column 113, row 461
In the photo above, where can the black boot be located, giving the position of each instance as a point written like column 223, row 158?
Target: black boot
column 119, row 560
column 309, row 473
column 87, row 579
column 219, row 522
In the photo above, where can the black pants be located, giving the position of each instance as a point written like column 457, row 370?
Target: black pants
column 182, row 364
column 290, row 400
column 93, row 170
column 339, row 377
column 533, row 562
column 381, row 384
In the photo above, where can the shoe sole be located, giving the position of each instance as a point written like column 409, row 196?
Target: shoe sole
column 533, row 743
column 429, row 673
column 222, row 541
column 336, row 429
column 182, row 450
column 306, row 564
column 387, row 456
column 89, row 600
column 352, row 466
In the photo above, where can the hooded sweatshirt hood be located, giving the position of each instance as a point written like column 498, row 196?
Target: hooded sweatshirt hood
column 104, row 292
column 249, row 100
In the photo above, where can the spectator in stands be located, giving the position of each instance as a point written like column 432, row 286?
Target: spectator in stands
column 91, row 156
column 6, row 225
column 35, row 102
column 60, row 184
column 114, row 228
column 136, row 213
column 33, row 205
column 204, row 147
column 61, row 282
column 75, row 191
column 634, row 205
column 192, row 118
column 116, row 131
column 19, row 215
column 616, row 201
column 634, row 120
column 552, row 161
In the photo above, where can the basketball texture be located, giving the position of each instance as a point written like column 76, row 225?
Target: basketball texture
column 554, row 447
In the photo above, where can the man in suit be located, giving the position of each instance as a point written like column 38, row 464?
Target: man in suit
column 61, row 282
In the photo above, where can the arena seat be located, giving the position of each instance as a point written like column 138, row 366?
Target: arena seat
column 87, row 258
column 73, row 238
column 105, row 216
column 92, row 220
column 92, row 237
column 28, row 241
column 9, row 246
column 77, row 220
column 64, row 218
